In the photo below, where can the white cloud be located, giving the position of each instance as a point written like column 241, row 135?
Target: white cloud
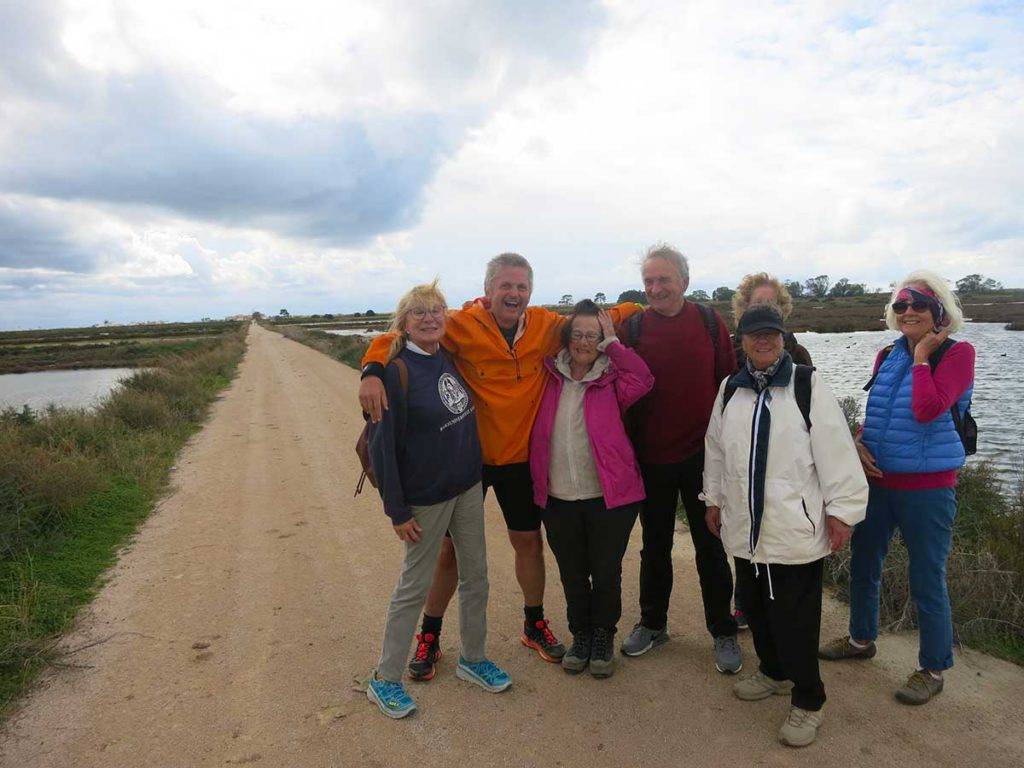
column 324, row 156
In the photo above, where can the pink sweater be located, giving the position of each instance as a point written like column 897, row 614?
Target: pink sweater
column 931, row 396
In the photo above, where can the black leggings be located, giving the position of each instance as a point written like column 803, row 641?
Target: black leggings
column 589, row 540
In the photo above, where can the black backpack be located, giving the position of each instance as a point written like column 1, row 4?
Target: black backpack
column 965, row 425
column 801, row 389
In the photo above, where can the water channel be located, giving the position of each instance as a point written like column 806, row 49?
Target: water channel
column 845, row 361
column 82, row 388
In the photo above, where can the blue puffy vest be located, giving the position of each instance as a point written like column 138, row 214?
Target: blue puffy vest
column 898, row 441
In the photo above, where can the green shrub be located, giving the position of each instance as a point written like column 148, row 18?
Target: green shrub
column 74, row 484
column 985, row 572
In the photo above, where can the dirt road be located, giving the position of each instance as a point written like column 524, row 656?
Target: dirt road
column 234, row 626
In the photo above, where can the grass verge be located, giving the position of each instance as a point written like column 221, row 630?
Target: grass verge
column 346, row 349
column 985, row 569
column 74, row 485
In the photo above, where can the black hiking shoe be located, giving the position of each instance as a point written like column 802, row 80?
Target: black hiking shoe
column 425, row 657
column 602, row 653
column 578, row 656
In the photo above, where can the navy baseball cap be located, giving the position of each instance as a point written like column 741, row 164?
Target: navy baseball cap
column 761, row 317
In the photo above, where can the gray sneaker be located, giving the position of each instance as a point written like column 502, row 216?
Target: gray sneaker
column 642, row 639
column 728, row 656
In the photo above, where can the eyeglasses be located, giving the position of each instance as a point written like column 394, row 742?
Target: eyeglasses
column 899, row 307
column 420, row 312
column 590, row 336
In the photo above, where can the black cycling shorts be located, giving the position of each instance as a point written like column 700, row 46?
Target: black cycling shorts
column 514, row 488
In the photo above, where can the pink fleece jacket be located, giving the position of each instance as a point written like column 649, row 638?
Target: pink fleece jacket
column 604, row 402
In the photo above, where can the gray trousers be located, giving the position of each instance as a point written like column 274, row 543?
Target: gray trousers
column 463, row 517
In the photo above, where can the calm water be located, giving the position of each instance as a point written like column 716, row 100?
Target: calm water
column 74, row 389
column 845, row 361
column 352, row 332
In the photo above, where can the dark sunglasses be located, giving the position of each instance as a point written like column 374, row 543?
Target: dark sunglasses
column 899, row 307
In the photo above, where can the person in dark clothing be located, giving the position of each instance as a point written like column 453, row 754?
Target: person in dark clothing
column 688, row 349
column 425, row 454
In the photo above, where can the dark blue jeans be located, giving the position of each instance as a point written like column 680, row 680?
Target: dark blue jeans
column 925, row 520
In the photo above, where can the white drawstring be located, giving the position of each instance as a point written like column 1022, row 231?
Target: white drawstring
column 757, row 575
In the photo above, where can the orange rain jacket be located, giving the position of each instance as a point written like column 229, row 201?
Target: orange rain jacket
column 507, row 384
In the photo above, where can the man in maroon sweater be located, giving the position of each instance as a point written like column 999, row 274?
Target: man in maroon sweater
column 688, row 349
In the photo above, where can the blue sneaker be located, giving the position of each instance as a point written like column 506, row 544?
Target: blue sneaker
column 390, row 697
column 484, row 673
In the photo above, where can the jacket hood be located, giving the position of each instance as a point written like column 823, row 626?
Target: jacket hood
column 600, row 374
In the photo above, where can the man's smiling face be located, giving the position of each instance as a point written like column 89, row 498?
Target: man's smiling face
column 509, row 294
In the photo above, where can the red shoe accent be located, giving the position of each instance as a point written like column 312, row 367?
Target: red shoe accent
column 422, row 653
column 541, row 625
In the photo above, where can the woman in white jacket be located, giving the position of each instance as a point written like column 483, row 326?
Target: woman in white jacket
column 783, row 487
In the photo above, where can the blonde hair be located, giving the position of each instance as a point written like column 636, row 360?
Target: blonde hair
column 943, row 294
column 426, row 295
column 749, row 283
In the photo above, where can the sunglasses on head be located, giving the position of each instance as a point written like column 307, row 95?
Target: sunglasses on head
column 899, row 307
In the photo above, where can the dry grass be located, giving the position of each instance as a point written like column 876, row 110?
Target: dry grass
column 985, row 569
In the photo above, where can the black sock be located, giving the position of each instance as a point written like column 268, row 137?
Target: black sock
column 432, row 624
column 534, row 613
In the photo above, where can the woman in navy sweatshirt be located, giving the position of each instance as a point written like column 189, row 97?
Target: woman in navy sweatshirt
column 425, row 454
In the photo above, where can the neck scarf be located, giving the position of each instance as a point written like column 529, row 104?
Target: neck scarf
column 762, row 379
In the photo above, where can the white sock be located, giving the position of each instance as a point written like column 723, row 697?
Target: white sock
column 858, row 646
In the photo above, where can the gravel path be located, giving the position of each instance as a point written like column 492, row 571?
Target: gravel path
column 237, row 626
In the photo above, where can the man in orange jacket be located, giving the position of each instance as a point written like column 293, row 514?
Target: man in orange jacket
column 499, row 346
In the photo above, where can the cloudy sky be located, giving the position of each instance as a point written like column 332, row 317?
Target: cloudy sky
column 171, row 160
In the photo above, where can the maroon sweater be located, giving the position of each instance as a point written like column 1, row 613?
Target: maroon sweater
column 672, row 419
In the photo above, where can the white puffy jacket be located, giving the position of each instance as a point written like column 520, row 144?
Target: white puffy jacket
column 808, row 474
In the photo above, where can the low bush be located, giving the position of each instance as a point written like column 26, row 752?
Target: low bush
column 75, row 483
column 985, row 569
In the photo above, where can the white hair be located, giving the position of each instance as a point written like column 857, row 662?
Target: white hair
column 666, row 252
column 939, row 286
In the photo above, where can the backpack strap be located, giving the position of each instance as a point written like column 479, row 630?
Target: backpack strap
column 885, row 354
column 936, row 357
column 363, row 442
column 954, row 410
column 802, row 389
column 403, row 374
column 707, row 314
column 633, row 328
column 727, row 393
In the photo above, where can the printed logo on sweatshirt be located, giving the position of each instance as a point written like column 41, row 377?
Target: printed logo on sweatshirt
column 453, row 394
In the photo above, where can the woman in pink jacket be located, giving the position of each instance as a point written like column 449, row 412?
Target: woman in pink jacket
column 586, row 478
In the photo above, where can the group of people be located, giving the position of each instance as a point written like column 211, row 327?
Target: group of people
column 583, row 423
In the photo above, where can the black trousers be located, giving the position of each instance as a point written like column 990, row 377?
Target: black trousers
column 664, row 484
column 589, row 540
column 786, row 629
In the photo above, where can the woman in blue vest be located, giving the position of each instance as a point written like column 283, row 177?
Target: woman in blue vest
column 911, row 451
